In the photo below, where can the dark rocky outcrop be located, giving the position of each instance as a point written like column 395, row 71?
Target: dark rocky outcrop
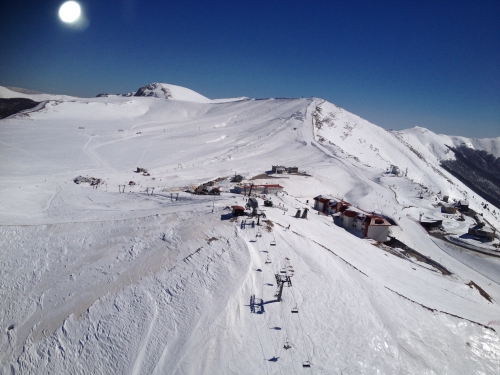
column 477, row 169
column 11, row 106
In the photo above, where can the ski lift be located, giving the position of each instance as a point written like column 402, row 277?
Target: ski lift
column 295, row 310
column 273, row 242
column 287, row 345
column 306, row 364
column 267, row 260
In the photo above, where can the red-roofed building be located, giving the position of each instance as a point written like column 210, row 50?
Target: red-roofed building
column 371, row 225
column 377, row 228
column 259, row 189
column 238, row 210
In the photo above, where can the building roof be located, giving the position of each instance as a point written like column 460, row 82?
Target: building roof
column 379, row 221
column 484, row 229
column 264, row 186
column 350, row 213
column 431, row 220
column 271, row 186
column 325, row 198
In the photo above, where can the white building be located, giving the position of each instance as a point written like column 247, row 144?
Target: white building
column 371, row 225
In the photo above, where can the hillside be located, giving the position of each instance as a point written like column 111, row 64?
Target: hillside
column 98, row 281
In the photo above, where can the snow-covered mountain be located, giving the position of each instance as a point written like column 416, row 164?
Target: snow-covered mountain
column 6, row 93
column 98, row 281
column 168, row 91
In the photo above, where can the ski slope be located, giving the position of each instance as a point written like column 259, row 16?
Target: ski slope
column 97, row 281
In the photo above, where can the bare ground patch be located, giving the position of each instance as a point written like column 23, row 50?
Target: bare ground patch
column 481, row 291
column 269, row 225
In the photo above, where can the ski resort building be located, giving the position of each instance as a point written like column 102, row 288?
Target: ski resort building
column 258, row 189
column 448, row 209
column 377, row 228
column 330, row 205
column 430, row 223
column 371, row 225
column 282, row 169
column 463, row 205
column 482, row 231
column 238, row 211
column 278, row 169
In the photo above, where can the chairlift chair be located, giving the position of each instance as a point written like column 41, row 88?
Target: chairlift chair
column 268, row 260
column 259, row 234
column 295, row 310
column 287, row 345
column 283, row 270
column 273, row 242
column 306, row 364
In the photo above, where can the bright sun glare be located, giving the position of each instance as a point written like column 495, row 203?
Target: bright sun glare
column 70, row 11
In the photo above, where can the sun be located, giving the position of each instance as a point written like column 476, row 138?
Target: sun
column 70, row 12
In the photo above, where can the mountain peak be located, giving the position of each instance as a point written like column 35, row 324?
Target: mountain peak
column 168, row 91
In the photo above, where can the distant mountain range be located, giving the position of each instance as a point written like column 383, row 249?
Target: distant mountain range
column 478, row 169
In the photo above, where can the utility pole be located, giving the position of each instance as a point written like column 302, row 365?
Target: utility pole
column 213, row 204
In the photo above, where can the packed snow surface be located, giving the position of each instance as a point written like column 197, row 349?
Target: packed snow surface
column 97, row 281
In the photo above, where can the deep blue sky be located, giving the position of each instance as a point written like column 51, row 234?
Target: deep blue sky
column 398, row 64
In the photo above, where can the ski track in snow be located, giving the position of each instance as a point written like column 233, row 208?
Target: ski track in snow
column 136, row 370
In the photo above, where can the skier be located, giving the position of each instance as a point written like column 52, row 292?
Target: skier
column 288, row 227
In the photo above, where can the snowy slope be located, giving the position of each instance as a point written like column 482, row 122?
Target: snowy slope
column 95, row 281
column 6, row 93
column 429, row 139
column 167, row 91
column 416, row 151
